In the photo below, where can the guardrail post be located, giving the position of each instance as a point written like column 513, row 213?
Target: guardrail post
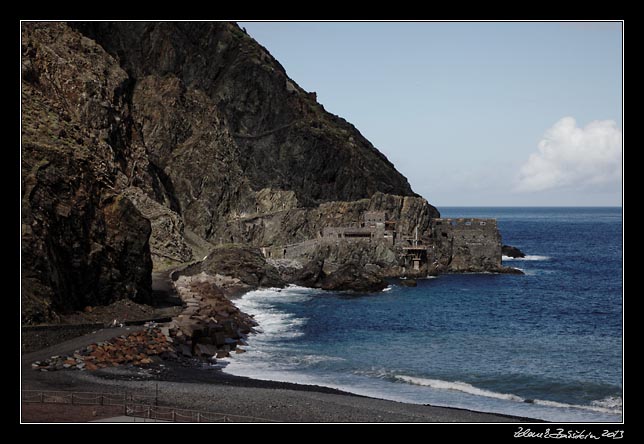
column 42, row 397
column 174, row 416
column 101, row 398
column 149, row 412
column 198, row 417
column 72, row 398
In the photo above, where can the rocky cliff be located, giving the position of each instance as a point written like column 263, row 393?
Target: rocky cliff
column 83, row 241
column 300, row 224
column 180, row 131
column 220, row 121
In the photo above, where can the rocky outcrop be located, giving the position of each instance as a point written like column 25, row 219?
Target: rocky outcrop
column 221, row 121
column 167, row 242
column 348, row 275
column 241, row 262
column 176, row 129
column 270, row 201
column 354, row 278
column 83, row 241
column 155, row 141
column 300, row 224
column 510, row 251
column 310, row 274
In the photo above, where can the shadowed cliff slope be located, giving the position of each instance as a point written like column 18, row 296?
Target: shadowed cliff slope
column 220, row 117
column 83, row 241
column 141, row 139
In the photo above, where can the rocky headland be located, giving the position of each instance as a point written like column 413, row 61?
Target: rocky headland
column 160, row 146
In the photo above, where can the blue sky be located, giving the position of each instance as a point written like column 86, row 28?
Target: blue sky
column 480, row 114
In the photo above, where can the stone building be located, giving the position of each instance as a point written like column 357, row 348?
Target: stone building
column 374, row 225
column 452, row 245
column 466, row 244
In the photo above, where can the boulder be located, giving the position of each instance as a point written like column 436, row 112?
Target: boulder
column 310, row 274
column 206, row 350
column 354, row 278
column 510, row 251
column 509, row 270
column 237, row 261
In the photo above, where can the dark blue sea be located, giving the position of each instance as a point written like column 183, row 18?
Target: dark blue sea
column 544, row 345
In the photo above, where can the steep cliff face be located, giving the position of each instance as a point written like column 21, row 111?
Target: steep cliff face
column 220, row 120
column 181, row 132
column 83, row 241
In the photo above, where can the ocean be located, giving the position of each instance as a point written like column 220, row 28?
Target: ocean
column 545, row 345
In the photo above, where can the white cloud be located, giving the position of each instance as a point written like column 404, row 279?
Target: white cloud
column 572, row 157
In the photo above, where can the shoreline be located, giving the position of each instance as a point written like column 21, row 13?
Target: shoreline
column 211, row 389
column 196, row 378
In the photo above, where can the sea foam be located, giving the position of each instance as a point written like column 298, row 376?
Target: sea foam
column 457, row 386
column 274, row 324
column 527, row 258
column 611, row 405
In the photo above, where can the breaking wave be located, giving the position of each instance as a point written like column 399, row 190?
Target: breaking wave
column 457, row 386
column 527, row 258
column 611, row 405
column 275, row 324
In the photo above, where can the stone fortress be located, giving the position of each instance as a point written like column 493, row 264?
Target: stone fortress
column 447, row 245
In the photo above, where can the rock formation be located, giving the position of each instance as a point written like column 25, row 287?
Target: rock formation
column 174, row 129
column 152, row 143
column 510, row 251
column 221, row 123
column 300, row 224
column 238, row 261
column 83, row 241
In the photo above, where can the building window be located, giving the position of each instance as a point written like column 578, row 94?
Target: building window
column 468, row 223
column 483, row 223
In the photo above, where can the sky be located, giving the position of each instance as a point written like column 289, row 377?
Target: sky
column 473, row 113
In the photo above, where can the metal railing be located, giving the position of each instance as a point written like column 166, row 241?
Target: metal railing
column 83, row 398
column 141, row 406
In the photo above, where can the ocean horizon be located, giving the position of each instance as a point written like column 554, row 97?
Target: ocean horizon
column 544, row 345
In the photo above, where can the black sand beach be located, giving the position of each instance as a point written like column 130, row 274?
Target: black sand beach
column 204, row 389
